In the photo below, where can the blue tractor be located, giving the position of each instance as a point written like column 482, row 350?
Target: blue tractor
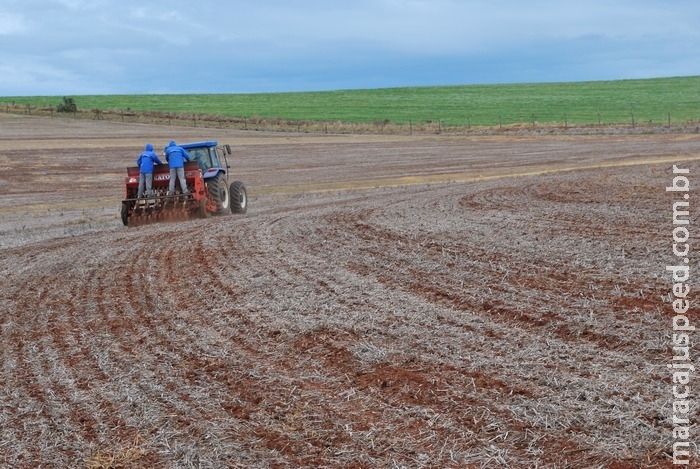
column 211, row 159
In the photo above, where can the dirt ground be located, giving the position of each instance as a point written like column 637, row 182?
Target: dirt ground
column 405, row 301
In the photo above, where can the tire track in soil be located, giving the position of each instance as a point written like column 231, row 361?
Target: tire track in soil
column 215, row 372
column 45, row 362
column 377, row 253
column 276, row 412
column 181, row 411
column 252, row 397
column 169, row 329
column 73, row 321
column 548, row 289
column 275, row 438
column 403, row 377
column 116, row 329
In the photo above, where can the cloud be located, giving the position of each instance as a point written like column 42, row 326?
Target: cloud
column 33, row 76
column 11, row 24
column 233, row 46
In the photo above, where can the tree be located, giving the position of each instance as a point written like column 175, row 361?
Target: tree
column 68, row 105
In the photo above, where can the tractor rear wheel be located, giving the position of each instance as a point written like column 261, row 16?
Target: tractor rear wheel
column 219, row 192
column 239, row 197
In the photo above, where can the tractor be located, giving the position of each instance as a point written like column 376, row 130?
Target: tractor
column 210, row 193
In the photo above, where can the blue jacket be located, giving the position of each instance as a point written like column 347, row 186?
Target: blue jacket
column 175, row 155
column 147, row 159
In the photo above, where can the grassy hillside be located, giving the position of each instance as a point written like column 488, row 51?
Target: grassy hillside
column 579, row 103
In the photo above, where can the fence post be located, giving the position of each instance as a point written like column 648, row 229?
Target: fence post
column 632, row 113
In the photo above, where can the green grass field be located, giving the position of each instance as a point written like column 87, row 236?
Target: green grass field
column 578, row 103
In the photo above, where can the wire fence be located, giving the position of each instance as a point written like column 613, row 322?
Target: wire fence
column 602, row 122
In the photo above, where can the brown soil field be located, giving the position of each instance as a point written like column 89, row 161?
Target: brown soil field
column 387, row 301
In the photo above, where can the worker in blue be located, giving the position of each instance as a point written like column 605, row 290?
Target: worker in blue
column 145, row 162
column 176, row 156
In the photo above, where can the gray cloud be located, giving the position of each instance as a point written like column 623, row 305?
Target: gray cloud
column 56, row 47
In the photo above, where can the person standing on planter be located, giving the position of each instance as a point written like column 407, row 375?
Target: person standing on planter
column 146, row 162
column 176, row 157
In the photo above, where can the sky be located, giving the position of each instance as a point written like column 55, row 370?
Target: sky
column 79, row 47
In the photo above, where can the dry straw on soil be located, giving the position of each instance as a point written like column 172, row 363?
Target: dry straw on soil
column 503, row 322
